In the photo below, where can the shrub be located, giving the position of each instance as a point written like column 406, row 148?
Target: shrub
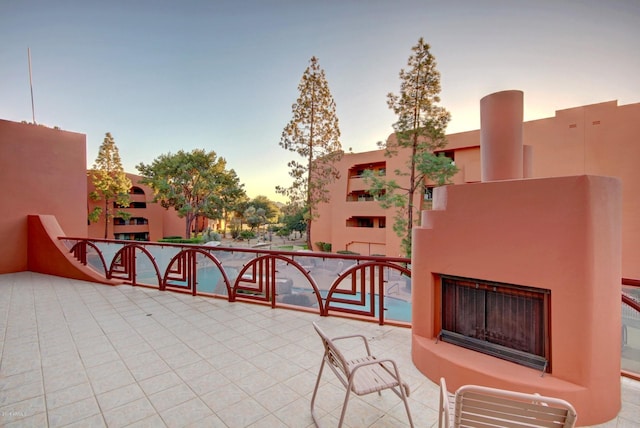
column 324, row 246
column 348, row 252
column 211, row 236
column 247, row 234
column 180, row 240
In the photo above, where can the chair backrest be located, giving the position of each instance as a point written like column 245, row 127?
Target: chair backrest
column 331, row 353
column 444, row 409
column 478, row 406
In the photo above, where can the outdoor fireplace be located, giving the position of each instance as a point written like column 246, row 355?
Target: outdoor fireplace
column 503, row 320
column 516, row 281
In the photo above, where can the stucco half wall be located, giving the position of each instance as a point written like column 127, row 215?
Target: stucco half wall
column 48, row 255
column 561, row 234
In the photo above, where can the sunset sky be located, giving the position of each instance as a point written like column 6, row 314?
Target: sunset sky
column 162, row 76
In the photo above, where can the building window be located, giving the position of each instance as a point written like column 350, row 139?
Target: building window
column 131, row 205
column 140, row 236
column 428, row 193
column 364, row 222
column 368, row 222
column 378, row 168
column 450, row 154
column 360, row 196
column 138, row 221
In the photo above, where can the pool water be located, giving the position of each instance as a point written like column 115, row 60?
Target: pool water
column 210, row 281
column 395, row 309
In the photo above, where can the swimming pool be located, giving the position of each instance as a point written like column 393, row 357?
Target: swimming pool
column 395, row 309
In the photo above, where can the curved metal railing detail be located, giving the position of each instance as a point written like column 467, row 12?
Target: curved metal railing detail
column 124, row 265
column 258, row 280
column 322, row 282
column 182, row 271
column 360, row 289
column 80, row 252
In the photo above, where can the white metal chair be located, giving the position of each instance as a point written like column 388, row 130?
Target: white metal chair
column 480, row 406
column 362, row 375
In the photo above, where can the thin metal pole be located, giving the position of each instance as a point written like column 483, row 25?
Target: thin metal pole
column 33, row 110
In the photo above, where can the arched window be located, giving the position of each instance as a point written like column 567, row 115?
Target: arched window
column 135, row 190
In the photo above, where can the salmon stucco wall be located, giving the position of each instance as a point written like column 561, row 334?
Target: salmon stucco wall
column 561, row 234
column 597, row 139
column 48, row 254
column 44, row 171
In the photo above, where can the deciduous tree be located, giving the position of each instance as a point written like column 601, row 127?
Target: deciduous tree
column 232, row 196
column 110, row 182
column 419, row 131
column 313, row 133
column 260, row 211
column 271, row 210
column 293, row 219
column 255, row 217
column 191, row 182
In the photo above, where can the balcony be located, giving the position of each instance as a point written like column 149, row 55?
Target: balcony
column 366, row 234
column 357, row 183
column 93, row 355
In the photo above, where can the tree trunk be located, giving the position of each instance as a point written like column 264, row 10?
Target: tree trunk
column 412, row 188
column 309, row 199
column 189, row 222
column 225, row 219
column 414, row 145
column 106, row 218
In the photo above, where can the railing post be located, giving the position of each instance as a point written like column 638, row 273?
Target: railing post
column 381, row 293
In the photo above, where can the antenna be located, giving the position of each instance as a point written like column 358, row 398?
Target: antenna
column 33, row 110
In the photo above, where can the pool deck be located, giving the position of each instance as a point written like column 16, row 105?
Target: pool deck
column 76, row 353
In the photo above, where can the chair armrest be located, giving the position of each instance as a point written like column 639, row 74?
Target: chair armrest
column 395, row 372
column 354, row 336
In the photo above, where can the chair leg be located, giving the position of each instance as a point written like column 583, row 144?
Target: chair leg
column 315, row 391
column 406, row 405
column 344, row 405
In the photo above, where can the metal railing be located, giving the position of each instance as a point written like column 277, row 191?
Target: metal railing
column 631, row 328
column 325, row 283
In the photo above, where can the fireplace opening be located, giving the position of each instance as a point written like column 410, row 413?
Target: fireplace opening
column 503, row 320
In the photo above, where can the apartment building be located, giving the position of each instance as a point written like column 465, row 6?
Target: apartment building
column 597, row 139
column 148, row 221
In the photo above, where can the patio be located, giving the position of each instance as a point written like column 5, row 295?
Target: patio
column 81, row 354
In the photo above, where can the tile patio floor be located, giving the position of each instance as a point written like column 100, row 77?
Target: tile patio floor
column 80, row 354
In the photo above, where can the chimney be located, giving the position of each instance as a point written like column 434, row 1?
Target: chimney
column 501, row 148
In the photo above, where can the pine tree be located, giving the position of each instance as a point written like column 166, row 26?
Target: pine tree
column 110, row 181
column 313, row 133
column 419, row 131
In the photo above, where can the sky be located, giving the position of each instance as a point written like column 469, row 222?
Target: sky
column 167, row 75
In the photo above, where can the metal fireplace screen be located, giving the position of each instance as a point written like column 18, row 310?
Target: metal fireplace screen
column 507, row 321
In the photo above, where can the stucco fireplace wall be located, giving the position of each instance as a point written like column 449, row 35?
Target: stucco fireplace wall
column 562, row 234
